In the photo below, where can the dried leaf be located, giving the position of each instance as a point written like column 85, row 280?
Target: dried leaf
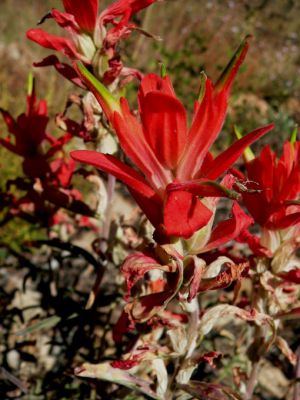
column 106, row 372
column 292, row 314
column 221, row 314
column 286, row 350
column 214, row 268
column 162, row 377
column 210, row 391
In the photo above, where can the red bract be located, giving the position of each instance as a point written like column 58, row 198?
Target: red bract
column 89, row 38
column 47, row 182
column 85, row 13
column 29, row 130
column 174, row 161
column 29, row 133
column 273, row 198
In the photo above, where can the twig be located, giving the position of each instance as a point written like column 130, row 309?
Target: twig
column 13, row 379
column 297, row 376
column 252, row 381
column 111, row 184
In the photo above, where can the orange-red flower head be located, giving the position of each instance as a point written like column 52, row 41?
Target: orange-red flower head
column 173, row 159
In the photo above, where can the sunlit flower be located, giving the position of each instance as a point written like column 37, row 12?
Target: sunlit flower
column 175, row 166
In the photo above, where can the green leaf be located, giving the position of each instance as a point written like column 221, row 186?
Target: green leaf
column 293, row 138
column 43, row 324
column 30, row 84
column 163, row 70
column 110, row 101
column 248, row 153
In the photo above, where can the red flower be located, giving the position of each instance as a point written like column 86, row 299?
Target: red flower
column 79, row 21
column 29, row 130
column 174, row 162
column 89, row 37
column 273, row 198
column 47, row 182
column 29, row 133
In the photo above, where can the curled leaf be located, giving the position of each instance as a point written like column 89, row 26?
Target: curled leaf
column 106, row 372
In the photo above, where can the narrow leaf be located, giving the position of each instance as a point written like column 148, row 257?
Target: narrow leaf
column 225, row 160
column 106, row 372
column 163, row 70
column 293, row 138
column 30, row 84
column 232, row 67
column 43, row 324
column 248, row 153
column 107, row 101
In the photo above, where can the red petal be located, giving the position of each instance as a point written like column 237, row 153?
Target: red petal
column 154, row 83
column 165, row 129
column 288, row 173
column 63, row 169
column 10, row 147
column 279, row 183
column 66, row 21
column 85, row 12
column 129, row 131
column 262, row 170
column 123, row 325
column 286, row 221
column 110, row 164
column 229, row 229
column 204, row 188
column 225, row 81
column 53, row 42
column 221, row 163
column 9, row 121
column 31, row 132
column 291, row 276
column 64, row 69
column 184, row 214
column 57, row 144
column 207, row 124
column 133, row 142
column 152, row 207
column 261, row 184
column 124, row 7
column 291, row 185
column 254, row 244
column 209, row 117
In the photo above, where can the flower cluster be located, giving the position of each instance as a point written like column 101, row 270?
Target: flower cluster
column 45, row 186
column 92, row 38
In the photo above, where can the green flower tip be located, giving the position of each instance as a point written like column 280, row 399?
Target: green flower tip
column 163, row 70
column 248, row 153
column 293, row 138
column 234, row 63
column 30, row 83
